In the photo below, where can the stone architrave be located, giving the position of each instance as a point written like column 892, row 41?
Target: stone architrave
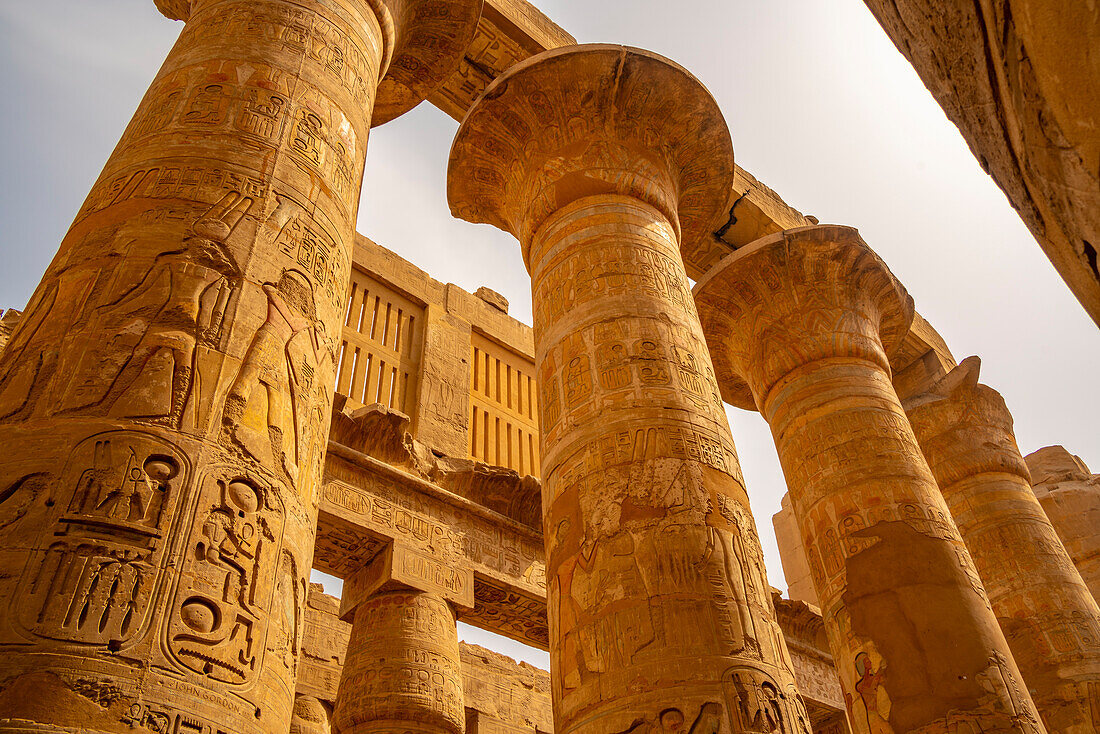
column 605, row 162
column 800, row 325
column 1070, row 496
column 1051, row 621
column 164, row 404
column 402, row 671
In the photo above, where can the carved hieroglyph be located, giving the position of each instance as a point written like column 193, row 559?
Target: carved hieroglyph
column 1070, row 496
column 602, row 160
column 800, row 325
column 164, row 403
column 1050, row 619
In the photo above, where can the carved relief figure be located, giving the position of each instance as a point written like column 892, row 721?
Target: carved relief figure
column 149, row 370
column 272, row 398
column 871, row 692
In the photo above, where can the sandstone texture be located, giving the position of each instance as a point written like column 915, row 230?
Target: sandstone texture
column 800, row 325
column 165, row 400
column 218, row 385
column 1070, row 495
column 1021, row 80
column 1048, row 615
column 610, row 165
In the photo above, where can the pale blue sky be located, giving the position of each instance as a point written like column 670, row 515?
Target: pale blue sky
column 821, row 106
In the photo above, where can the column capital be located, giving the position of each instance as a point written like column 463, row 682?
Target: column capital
column 425, row 41
column 401, row 567
column 587, row 120
column 793, row 298
column 965, row 428
column 174, row 9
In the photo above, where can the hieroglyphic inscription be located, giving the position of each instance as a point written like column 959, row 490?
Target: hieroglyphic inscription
column 98, row 566
column 221, row 617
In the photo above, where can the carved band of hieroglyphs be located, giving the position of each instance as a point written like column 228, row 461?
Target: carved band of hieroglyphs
column 585, row 463
column 510, row 613
column 601, row 366
column 447, row 532
column 607, row 270
column 836, row 529
column 301, row 33
column 313, row 130
column 403, row 663
column 406, row 566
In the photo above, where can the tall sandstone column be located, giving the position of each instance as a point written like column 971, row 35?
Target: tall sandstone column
column 800, row 324
column 1070, row 496
column 402, row 672
column 164, row 403
column 602, row 160
column 1050, row 619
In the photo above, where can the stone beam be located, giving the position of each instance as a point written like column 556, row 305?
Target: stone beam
column 1021, row 81
column 367, row 505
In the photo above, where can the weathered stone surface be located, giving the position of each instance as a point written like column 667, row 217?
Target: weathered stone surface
column 606, row 163
column 310, row 716
column 1050, row 619
column 8, row 320
column 804, row 631
column 459, row 367
column 324, row 643
column 164, row 402
column 493, row 298
column 373, row 430
column 1070, row 495
column 792, row 554
column 403, row 667
column 503, row 696
column 367, row 504
column 800, row 325
column 1021, row 80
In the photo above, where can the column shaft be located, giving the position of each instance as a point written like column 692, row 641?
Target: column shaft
column 164, row 404
column 658, row 598
column 800, row 323
column 897, row 588
column 1048, row 615
column 402, row 671
column 611, row 166
column 1070, row 496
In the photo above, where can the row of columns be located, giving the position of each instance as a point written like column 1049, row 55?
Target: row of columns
column 165, row 403
column 921, row 524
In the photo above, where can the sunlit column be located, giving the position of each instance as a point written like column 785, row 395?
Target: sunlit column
column 603, row 161
column 164, row 402
column 800, row 324
column 1048, row 615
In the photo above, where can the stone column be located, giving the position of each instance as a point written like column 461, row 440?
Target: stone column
column 1046, row 612
column 310, row 716
column 1070, row 496
column 403, row 667
column 604, row 162
column 164, row 403
column 800, row 324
